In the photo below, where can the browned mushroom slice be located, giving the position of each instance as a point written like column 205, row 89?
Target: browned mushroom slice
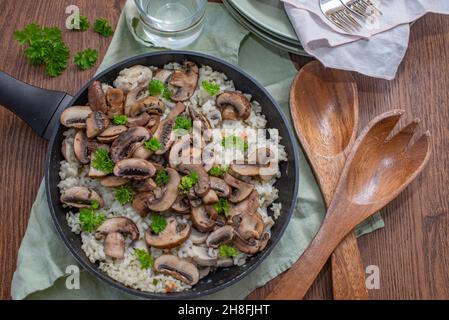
column 203, row 185
column 113, row 182
column 265, row 167
column 115, row 98
column 140, row 203
column 132, row 98
column 240, row 189
column 146, row 185
column 80, row 147
column 235, row 100
column 172, row 236
column 170, row 192
column 194, row 200
column 181, row 205
column 249, row 225
column 165, row 135
column 177, row 110
column 153, row 123
column 210, row 197
column 163, row 75
column 151, row 105
column 80, row 197
column 114, row 245
column 201, row 123
column 139, row 121
column 96, row 123
column 135, row 169
column 75, row 117
column 96, row 97
column 111, row 133
column 121, row 225
column 220, row 187
column 264, row 241
column 66, row 149
column 142, row 153
column 220, row 236
column 201, row 219
column 127, row 143
column 184, row 81
column 249, row 247
column 179, row 268
column 198, row 237
column 202, row 258
column 180, row 151
column 249, row 205
column 229, row 113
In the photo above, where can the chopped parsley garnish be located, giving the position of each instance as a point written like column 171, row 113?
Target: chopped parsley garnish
column 89, row 220
column 211, row 87
column 120, row 120
column 153, row 144
column 183, row 123
column 158, row 223
column 45, row 47
column 218, row 171
column 84, row 24
column 158, row 88
column 124, row 194
column 227, row 251
column 102, row 161
column 145, row 259
column 86, row 59
column 222, row 206
column 187, row 182
column 102, row 27
column 162, row 177
column 234, row 142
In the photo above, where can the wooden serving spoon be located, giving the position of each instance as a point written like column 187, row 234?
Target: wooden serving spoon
column 377, row 169
column 324, row 107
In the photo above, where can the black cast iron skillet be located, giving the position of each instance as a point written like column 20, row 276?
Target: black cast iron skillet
column 41, row 109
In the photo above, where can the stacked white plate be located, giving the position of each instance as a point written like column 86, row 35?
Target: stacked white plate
column 267, row 20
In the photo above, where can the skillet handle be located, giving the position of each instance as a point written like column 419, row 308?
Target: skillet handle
column 39, row 108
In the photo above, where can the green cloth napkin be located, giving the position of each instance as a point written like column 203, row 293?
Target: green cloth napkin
column 43, row 258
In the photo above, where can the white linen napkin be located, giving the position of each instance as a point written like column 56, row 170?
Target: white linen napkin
column 375, row 50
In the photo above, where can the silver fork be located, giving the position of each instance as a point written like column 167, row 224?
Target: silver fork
column 347, row 14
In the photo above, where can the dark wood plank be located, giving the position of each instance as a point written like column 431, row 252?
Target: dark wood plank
column 412, row 251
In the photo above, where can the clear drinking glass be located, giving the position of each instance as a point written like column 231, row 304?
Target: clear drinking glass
column 171, row 23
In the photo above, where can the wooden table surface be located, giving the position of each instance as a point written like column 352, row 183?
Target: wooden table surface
column 412, row 251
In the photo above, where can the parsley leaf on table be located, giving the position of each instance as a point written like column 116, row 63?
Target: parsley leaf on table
column 103, row 27
column 45, row 47
column 86, row 59
column 83, row 24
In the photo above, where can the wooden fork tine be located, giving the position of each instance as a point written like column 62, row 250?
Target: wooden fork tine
column 404, row 136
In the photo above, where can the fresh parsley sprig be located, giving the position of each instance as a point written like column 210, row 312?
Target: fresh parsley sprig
column 227, row 251
column 103, row 27
column 90, row 220
column 187, row 182
column 211, row 87
column 102, row 161
column 86, row 59
column 158, row 223
column 124, row 194
column 145, row 259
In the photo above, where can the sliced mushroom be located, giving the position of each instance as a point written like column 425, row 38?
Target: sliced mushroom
column 115, row 98
column 163, row 75
column 96, row 97
column 210, row 197
column 220, row 236
column 201, row 219
column 235, row 100
column 221, row 188
column 180, row 151
column 121, row 225
column 132, row 98
column 201, row 123
column 135, row 169
column 75, row 117
column 129, row 78
column 114, row 245
column 165, row 135
column 265, row 168
column 111, row 133
column 229, row 113
column 142, row 153
column 153, row 123
column 152, row 105
column 172, row 236
column 203, row 185
column 249, row 225
column 181, row 205
column 184, row 81
column 198, row 237
column 127, row 143
column 80, row 197
column 67, row 150
column 170, row 192
column 140, row 203
column 96, row 123
column 146, row 185
column 202, row 258
column 194, row 200
column 240, row 189
column 203, row 272
column 179, row 268
column 249, row 205
column 177, row 110
column 249, row 247
column 140, row 121
column 80, row 147
column 113, row 182
column 264, row 241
